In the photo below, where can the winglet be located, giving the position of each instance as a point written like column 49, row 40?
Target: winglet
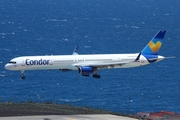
column 152, row 48
column 75, row 52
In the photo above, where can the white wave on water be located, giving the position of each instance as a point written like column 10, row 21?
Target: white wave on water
column 6, row 22
column 135, row 27
column 2, row 33
column 12, row 33
column 2, row 75
column 68, row 100
column 6, row 49
column 87, row 46
column 56, row 20
column 65, row 39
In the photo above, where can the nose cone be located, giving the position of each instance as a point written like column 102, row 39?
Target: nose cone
column 7, row 67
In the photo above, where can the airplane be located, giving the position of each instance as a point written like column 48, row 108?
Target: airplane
column 91, row 63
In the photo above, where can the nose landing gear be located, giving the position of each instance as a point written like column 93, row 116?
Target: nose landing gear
column 22, row 74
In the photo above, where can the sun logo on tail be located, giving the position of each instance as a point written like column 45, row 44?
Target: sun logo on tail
column 155, row 46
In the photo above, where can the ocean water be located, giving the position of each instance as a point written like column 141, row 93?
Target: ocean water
column 35, row 27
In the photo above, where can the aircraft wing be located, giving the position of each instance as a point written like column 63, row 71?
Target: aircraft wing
column 102, row 65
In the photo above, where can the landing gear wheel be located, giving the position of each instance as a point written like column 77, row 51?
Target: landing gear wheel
column 96, row 76
column 22, row 75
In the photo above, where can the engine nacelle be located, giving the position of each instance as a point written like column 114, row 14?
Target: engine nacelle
column 86, row 70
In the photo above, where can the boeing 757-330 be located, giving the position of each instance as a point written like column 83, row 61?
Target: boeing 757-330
column 90, row 64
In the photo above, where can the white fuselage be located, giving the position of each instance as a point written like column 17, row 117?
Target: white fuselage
column 72, row 62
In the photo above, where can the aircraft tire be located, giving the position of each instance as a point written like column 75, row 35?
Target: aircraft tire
column 96, row 76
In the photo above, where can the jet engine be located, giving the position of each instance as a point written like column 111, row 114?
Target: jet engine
column 86, row 70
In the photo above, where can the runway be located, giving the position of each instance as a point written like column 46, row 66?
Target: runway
column 69, row 117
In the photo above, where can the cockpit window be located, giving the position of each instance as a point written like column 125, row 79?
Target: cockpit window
column 12, row 62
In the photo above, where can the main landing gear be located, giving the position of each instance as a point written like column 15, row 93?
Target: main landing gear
column 22, row 74
column 96, row 76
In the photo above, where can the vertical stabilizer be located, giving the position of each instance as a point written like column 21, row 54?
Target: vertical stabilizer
column 152, row 48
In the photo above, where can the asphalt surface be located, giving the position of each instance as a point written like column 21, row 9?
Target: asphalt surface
column 69, row 117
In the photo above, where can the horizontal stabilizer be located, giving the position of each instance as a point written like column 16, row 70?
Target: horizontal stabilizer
column 137, row 57
column 169, row 57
